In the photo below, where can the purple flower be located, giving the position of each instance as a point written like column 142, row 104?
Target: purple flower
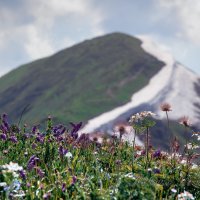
column 13, row 139
column 3, row 128
column 26, row 135
column 3, row 136
column 32, row 162
column 47, row 196
column 59, row 130
column 157, row 154
column 76, row 128
column 74, row 179
column 39, row 172
column 156, row 171
column 40, row 139
column 28, row 184
column 59, row 138
column 62, row 151
column 34, row 145
column 22, row 174
column 34, row 128
column 63, row 187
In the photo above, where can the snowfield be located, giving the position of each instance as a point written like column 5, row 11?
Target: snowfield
column 173, row 84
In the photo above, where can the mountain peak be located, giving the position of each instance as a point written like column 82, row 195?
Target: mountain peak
column 80, row 82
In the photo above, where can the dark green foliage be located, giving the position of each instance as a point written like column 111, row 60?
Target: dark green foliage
column 134, row 189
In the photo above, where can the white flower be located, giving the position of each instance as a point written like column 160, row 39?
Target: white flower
column 3, row 184
column 183, row 162
column 189, row 146
column 12, row 167
column 185, row 195
column 129, row 175
column 192, row 146
column 68, row 155
column 194, row 166
column 174, row 190
column 141, row 116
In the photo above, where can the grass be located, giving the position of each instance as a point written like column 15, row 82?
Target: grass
column 57, row 164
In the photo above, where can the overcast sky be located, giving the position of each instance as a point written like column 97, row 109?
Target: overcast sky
column 31, row 29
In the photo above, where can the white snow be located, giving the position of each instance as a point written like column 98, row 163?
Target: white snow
column 182, row 94
column 145, row 95
column 171, row 74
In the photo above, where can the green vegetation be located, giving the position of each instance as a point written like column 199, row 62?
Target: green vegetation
column 57, row 164
column 80, row 82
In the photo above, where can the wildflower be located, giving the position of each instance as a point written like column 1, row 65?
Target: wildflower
column 68, row 155
column 122, row 129
column 34, row 146
column 12, row 167
column 185, row 121
column 22, row 174
column 40, row 138
column 47, row 196
column 3, row 136
column 5, row 151
column 62, row 151
column 13, row 139
column 39, row 172
column 145, row 114
column 28, row 185
column 156, row 170
column 194, row 166
column 16, row 185
column 74, row 179
column 183, row 162
column 135, row 118
column 174, row 190
column 63, row 187
column 141, row 116
column 191, row 146
column 3, row 184
column 76, row 128
column 165, row 107
column 34, row 129
column 130, row 175
column 149, row 170
column 185, row 196
column 157, row 154
column 32, row 162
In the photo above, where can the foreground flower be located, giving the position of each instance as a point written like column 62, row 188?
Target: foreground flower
column 185, row 121
column 12, row 167
column 185, row 196
column 141, row 116
column 68, row 155
column 32, row 162
column 165, row 107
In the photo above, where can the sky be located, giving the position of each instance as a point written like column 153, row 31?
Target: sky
column 32, row 29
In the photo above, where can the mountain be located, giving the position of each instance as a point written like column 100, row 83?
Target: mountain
column 78, row 83
column 174, row 84
column 102, row 82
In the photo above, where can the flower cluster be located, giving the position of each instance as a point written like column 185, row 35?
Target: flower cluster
column 140, row 116
column 185, row 196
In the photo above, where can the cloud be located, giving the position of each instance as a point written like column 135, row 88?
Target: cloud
column 187, row 13
column 39, row 28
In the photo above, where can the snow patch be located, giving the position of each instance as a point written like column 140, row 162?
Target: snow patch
column 145, row 95
column 182, row 95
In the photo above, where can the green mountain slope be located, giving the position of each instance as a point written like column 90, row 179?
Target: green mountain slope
column 80, row 82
